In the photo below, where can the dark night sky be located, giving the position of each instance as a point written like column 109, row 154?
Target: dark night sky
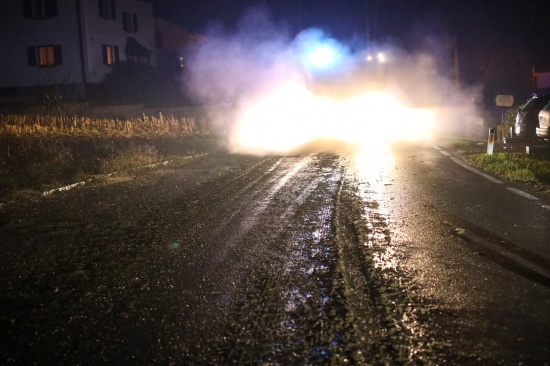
column 519, row 22
column 515, row 33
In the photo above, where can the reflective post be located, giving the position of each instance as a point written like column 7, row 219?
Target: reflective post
column 491, row 141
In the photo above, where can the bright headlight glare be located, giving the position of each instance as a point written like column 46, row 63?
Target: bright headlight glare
column 321, row 57
column 291, row 116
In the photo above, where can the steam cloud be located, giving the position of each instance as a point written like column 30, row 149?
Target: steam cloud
column 240, row 68
column 234, row 67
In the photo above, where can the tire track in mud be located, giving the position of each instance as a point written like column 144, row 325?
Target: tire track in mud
column 258, row 202
column 287, row 315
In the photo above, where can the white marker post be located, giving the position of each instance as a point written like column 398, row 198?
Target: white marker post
column 491, row 141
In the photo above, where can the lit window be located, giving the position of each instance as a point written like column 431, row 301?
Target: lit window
column 44, row 56
column 110, row 55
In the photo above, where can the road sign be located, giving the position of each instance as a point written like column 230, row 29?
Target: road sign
column 504, row 100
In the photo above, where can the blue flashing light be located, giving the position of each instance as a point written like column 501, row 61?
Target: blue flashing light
column 321, row 57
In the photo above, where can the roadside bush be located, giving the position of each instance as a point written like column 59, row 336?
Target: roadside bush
column 509, row 120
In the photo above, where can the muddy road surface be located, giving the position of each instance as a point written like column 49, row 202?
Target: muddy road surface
column 278, row 260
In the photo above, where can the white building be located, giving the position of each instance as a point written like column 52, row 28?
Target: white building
column 71, row 43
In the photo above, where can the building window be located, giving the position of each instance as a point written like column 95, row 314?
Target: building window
column 110, row 55
column 129, row 22
column 39, row 9
column 107, row 9
column 44, row 56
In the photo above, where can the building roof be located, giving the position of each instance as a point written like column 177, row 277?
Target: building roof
column 174, row 37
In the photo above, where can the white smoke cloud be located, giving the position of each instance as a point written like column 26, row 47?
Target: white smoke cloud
column 258, row 64
column 232, row 66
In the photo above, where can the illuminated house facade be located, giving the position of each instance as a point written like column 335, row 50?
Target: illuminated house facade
column 73, row 43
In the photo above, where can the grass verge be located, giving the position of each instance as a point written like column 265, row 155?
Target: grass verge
column 513, row 167
column 40, row 153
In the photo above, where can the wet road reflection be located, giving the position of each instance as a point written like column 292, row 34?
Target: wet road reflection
column 374, row 165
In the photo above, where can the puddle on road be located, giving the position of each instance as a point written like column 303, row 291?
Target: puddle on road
column 374, row 166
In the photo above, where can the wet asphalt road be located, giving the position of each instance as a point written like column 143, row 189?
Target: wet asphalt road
column 309, row 259
column 479, row 249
